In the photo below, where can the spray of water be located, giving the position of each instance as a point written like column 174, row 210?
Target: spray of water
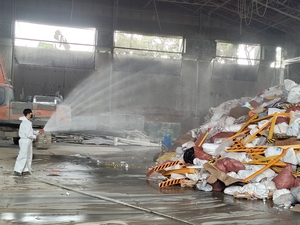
column 87, row 106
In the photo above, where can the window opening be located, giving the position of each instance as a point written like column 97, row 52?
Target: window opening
column 242, row 54
column 278, row 58
column 54, row 37
column 147, row 45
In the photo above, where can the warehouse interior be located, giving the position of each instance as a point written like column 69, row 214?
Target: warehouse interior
column 148, row 64
column 178, row 89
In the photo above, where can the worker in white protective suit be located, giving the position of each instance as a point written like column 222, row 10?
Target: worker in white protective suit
column 27, row 135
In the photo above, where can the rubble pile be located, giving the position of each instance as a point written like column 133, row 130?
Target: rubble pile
column 248, row 148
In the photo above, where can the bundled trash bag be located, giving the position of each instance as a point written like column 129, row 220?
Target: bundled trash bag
column 285, row 178
column 220, row 165
column 296, row 193
column 189, row 156
column 221, row 135
column 229, row 165
column 200, row 154
column 285, row 199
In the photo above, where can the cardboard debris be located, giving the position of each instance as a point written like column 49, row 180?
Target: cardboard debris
column 216, row 174
column 296, row 208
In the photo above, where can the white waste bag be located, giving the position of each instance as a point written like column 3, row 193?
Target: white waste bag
column 257, row 190
column 296, row 193
column 204, row 186
column 283, row 197
column 294, row 95
column 293, row 128
column 290, row 157
column 210, row 148
column 232, row 189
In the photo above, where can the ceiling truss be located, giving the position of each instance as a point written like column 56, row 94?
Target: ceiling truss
column 260, row 15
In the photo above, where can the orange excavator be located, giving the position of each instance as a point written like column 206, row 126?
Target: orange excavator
column 42, row 106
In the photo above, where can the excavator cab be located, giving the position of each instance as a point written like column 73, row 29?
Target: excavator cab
column 6, row 95
column 42, row 106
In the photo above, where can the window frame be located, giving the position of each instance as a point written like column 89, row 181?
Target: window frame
column 17, row 37
column 235, row 59
column 144, row 51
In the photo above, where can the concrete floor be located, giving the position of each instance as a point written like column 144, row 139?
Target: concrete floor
column 76, row 184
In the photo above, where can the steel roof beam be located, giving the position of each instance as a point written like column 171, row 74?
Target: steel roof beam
column 187, row 2
column 233, row 10
column 224, row 3
column 274, row 25
column 279, row 11
column 267, row 20
column 288, row 10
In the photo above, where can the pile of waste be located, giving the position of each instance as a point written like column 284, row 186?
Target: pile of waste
column 248, row 148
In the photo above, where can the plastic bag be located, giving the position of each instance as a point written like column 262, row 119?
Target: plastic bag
column 256, row 190
column 245, row 173
column 281, row 128
column 285, row 199
column 294, row 115
column 233, row 165
column 298, row 158
column 269, row 184
column 223, row 135
column 296, row 193
column 290, row 157
column 204, row 186
column 210, row 148
column 179, row 151
column 280, row 192
column 233, row 128
column 259, row 141
column 220, row 165
column 176, row 176
column 188, row 145
column 239, row 156
column 272, row 91
column 199, row 162
column 294, row 95
column 197, row 175
column 200, row 154
column 273, row 151
column 285, row 179
column 188, row 155
column 222, row 147
column 250, row 169
column 232, row 189
column 293, row 128
column 229, row 165
column 229, row 121
column 289, row 84
column 234, row 175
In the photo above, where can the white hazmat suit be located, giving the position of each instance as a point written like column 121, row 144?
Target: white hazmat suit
column 27, row 135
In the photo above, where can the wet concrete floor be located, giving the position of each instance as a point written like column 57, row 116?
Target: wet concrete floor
column 105, row 185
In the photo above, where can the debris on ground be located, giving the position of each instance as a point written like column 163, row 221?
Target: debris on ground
column 248, row 148
column 114, row 138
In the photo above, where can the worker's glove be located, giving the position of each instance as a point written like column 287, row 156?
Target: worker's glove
column 41, row 131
